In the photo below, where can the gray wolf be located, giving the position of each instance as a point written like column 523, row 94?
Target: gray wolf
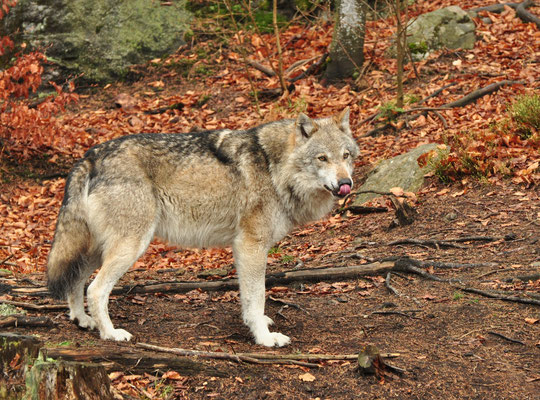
column 246, row 189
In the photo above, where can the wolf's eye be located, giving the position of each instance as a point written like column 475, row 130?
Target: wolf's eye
column 346, row 155
column 322, row 158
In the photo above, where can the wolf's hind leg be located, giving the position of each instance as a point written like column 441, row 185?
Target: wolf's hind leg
column 75, row 297
column 250, row 257
column 119, row 257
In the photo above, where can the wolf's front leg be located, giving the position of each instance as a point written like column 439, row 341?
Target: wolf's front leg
column 250, row 257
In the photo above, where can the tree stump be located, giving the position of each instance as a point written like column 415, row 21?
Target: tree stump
column 66, row 380
column 17, row 352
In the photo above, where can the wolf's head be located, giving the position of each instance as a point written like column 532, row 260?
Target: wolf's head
column 324, row 153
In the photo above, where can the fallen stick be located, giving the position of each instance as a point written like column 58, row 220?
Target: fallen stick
column 260, row 358
column 37, row 307
column 514, row 299
column 499, row 8
column 506, row 337
column 303, row 275
column 25, row 321
column 223, row 356
column 389, row 286
column 130, row 359
column 435, row 93
column 476, row 94
column 426, row 242
column 525, row 15
column 265, row 70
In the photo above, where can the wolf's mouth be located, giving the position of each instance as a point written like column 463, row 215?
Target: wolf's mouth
column 340, row 192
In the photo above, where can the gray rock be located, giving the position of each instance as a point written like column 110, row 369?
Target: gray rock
column 400, row 171
column 98, row 38
column 449, row 27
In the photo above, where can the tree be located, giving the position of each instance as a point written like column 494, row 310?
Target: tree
column 347, row 48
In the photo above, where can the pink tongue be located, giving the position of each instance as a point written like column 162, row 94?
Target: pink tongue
column 344, row 190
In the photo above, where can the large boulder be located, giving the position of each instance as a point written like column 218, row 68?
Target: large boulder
column 449, row 27
column 98, row 38
column 401, row 171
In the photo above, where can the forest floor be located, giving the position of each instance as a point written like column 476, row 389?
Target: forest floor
column 450, row 344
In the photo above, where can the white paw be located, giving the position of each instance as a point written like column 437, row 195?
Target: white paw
column 85, row 321
column 116, row 334
column 273, row 339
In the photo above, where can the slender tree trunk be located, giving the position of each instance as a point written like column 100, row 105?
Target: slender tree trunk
column 400, row 50
column 347, row 48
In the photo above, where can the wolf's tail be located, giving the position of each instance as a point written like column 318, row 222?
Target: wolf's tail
column 72, row 239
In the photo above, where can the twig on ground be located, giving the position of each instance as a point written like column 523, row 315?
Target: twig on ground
column 499, row 8
column 25, row 321
column 389, row 285
column 506, row 337
column 524, row 278
column 286, row 303
column 426, row 242
column 5, row 260
column 311, row 69
column 525, row 15
column 37, row 307
column 435, row 93
column 395, row 312
column 510, row 298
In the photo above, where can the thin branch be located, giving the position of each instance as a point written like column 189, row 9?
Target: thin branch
column 514, row 299
column 506, row 337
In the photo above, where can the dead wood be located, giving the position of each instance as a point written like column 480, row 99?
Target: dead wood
column 426, row 242
column 461, row 102
column 524, row 278
column 497, row 296
column 362, row 209
column 36, row 307
column 525, row 15
column 506, row 337
column 313, row 68
column 435, row 93
column 127, row 358
column 499, row 8
column 395, row 312
column 476, row 94
column 310, row 70
column 223, row 356
column 258, row 66
column 302, row 275
column 17, row 321
column 261, row 358
column 405, row 213
column 389, row 286
column 521, row 10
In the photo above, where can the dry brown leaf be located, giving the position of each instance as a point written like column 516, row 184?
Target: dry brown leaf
column 307, row 377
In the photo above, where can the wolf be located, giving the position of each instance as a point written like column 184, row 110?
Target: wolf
column 245, row 188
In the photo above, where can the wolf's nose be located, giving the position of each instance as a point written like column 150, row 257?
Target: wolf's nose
column 344, row 181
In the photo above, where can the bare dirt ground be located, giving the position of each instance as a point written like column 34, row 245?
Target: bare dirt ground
column 446, row 339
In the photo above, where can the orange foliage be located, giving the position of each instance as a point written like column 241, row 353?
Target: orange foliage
column 26, row 129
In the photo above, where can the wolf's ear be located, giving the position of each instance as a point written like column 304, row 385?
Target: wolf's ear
column 305, row 126
column 342, row 120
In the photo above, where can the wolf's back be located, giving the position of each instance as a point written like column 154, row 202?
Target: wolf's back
column 69, row 251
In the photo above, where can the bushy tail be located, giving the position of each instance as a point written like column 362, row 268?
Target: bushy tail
column 69, row 252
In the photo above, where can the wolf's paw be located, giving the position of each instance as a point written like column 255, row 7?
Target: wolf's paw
column 273, row 339
column 116, row 334
column 84, row 321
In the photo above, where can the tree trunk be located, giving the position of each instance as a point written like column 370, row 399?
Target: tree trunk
column 347, row 48
column 64, row 380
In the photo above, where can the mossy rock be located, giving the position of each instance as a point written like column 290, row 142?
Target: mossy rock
column 97, row 38
column 401, row 171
